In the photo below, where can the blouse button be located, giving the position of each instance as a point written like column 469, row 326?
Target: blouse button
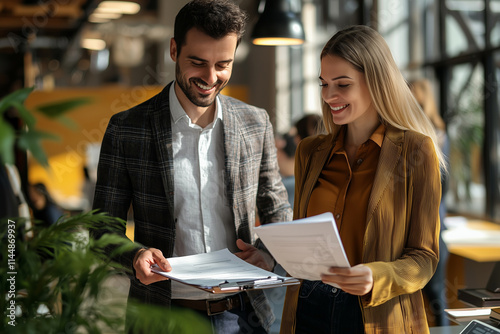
column 337, row 216
column 359, row 161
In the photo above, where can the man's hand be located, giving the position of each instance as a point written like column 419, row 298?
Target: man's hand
column 357, row 280
column 143, row 261
column 254, row 256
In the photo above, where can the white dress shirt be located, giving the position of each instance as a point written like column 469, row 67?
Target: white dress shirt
column 204, row 219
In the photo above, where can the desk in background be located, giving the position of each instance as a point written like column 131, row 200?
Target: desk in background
column 474, row 247
column 446, row 329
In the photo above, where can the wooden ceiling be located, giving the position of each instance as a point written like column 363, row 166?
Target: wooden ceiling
column 45, row 27
column 25, row 18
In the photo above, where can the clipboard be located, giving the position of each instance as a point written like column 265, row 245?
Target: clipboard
column 236, row 286
column 222, row 272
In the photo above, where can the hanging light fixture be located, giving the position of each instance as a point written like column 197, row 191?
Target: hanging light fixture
column 278, row 25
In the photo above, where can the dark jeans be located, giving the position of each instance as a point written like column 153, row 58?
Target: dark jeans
column 236, row 321
column 435, row 290
column 323, row 308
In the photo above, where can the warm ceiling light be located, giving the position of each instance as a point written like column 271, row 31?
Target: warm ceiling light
column 278, row 25
column 110, row 16
column 94, row 19
column 93, row 44
column 277, row 41
column 123, row 7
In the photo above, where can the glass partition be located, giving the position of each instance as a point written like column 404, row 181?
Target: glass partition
column 494, row 13
column 464, row 20
column 465, row 116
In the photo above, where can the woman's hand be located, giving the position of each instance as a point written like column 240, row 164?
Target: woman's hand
column 357, row 280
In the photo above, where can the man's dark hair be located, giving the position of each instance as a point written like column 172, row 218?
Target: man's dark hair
column 216, row 18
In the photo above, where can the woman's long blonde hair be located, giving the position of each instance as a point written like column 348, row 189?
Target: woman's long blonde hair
column 366, row 50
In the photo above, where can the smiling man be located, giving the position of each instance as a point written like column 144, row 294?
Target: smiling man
column 195, row 166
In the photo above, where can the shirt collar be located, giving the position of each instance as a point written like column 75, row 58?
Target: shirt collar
column 178, row 112
column 377, row 137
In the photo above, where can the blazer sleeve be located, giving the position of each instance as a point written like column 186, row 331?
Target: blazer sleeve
column 113, row 189
column 272, row 198
column 421, row 190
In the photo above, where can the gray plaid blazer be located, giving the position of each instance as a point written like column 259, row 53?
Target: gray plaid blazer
column 136, row 167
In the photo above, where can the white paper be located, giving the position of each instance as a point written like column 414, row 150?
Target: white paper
column 305, row 248
column 208, row 270
column 468, row 312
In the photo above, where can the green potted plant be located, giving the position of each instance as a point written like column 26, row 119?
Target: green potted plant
column 58, row 280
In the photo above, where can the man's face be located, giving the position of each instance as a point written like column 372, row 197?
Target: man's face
column 203, row 67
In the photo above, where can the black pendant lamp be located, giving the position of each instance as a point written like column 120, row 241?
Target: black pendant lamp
column 278, row 25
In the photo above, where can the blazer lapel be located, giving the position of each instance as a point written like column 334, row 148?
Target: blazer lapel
column 390, row 154
column 317, row 160
column 162, row 138
column 231, row 140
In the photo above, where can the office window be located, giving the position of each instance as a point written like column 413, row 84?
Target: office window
column 338, row 13
column 456, row 45
column 465, row 26
column 393, row 23
column 495, row 19
column 428, row 28
column 466, row 191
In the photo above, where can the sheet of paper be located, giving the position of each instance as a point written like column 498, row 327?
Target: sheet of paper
column 307, row 247
column 468, row 312
column 211, row 269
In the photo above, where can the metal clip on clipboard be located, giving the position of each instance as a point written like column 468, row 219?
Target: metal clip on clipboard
column 250, row 284
column 264, row 283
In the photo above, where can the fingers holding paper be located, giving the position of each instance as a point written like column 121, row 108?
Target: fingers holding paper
column 357, row 280
column 143, row 261
column 254, row 256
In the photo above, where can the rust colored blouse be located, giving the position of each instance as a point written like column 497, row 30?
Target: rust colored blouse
column 343, row 188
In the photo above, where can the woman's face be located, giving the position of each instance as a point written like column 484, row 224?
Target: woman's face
column 345, row 90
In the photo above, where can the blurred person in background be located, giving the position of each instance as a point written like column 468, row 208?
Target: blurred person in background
column 435, row 290
column 43, row 206
column 308, row 125
column 286, row 147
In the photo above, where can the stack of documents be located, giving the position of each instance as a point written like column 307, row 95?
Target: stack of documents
column 305, row 248
column 468, row 314
column 221, row 272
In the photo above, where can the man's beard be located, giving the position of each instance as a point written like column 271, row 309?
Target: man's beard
column 195, row 97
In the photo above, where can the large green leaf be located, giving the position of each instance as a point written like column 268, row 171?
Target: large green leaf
column 7, row 137
column 25, row 114
column 32, row 141
column 19, row 96
column 57, row 109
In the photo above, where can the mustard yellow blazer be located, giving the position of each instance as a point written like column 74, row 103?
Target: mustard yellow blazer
column 402, row 228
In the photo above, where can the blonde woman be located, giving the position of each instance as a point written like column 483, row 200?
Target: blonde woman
column 378, row 171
